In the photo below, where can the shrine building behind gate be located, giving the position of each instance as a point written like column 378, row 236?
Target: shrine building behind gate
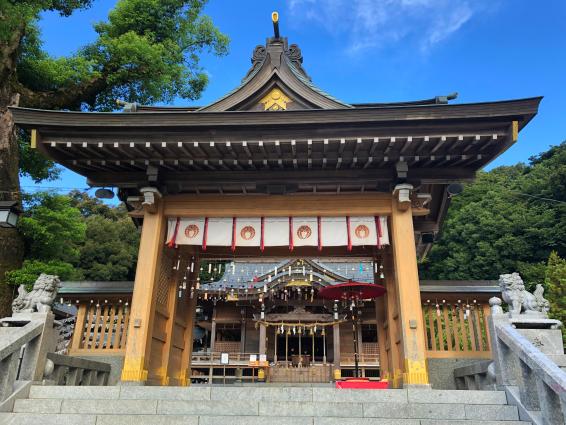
column 281, row 174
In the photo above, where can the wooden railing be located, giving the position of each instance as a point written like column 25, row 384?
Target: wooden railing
column 456, row 330
column 101, row 328
column 227, row 346
column 214, row 358
column 348, row 358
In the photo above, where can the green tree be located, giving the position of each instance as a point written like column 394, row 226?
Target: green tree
column 53, row 231
column 31, row 269
column 52, row 228
column 555, row 282
column 111, row 244
column 509, row 219
column 147, row 51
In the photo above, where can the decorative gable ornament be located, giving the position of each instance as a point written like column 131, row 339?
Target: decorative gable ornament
column 275, row 101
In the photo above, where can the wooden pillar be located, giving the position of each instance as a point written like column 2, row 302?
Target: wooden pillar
column 382, row 337
column 412, row 330
column 324, row 346
column 275, row 335
column 262, row 338
column 180, row 309
column 243, row 335
column 393, row 325
column 336, row 347
column 184, row 335
column 136, row 360
column 79, row 331
column 165, row 369
column 213, row 331
column 184, row 378
column 360, row 342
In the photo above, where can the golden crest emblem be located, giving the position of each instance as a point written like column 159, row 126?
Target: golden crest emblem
column 275, row 101
column 247, row 233
column 191, row 231
column 304, row 232
column 362, row 231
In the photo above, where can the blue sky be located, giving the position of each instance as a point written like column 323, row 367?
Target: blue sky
column 386, row 50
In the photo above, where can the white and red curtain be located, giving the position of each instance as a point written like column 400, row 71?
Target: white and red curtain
column 278, row 231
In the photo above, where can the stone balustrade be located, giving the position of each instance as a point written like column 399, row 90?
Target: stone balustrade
column 68, row 370
column 475, row 376
column 19, row 355
column 532, row 380
column 27, row 345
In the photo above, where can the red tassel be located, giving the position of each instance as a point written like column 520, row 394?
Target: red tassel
column 173, row 240
column 233, row 234
column 262, row 245
column 291, row 243
column 205, row 234
column 348, row 229
column 319, row 223
column 378, row 231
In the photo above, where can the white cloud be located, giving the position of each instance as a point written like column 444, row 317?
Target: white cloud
column 381, row 23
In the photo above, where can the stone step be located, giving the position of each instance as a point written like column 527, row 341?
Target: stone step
column 559, row 359
column 76, row 419
column 266, row 393
column 268, row 408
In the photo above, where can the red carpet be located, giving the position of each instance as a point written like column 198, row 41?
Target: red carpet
column 362, row 384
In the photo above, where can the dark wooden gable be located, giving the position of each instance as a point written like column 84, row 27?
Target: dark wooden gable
column 276, row 82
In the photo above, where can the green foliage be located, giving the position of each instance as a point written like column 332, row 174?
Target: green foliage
column 111, row 245
column 555, row 282
column 52, row 228
column 147, row 51
column 33, row 164
column 76, row 237
column 499, row 224
column 31, row 269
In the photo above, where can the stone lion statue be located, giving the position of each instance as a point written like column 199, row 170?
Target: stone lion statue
column 39, row 298
column 520, row 301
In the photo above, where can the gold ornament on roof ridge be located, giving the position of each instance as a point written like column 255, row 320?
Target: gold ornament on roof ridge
column 275, row 100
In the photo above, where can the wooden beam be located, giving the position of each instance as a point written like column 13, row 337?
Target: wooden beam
column 34, row 138
column 275, row 205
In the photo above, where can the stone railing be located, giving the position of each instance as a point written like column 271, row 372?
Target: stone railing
column 68, row 370
column 531, row 379
column 525, row 347
column 27, row 345
column 476, row 376
column 20, row 354
column 537, row 381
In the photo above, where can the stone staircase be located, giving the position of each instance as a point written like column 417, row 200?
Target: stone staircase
column 251, row 405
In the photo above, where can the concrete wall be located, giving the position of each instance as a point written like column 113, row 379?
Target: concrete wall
column 116, row 362
column 441, row 371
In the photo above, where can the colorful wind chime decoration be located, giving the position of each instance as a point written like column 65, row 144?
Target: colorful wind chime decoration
column 229, row 280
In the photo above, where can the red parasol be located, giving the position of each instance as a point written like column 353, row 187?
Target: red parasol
column 352, row 291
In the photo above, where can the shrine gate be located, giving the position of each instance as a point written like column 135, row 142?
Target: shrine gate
column 273, row 154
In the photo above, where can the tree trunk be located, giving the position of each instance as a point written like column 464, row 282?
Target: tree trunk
column 11, row 243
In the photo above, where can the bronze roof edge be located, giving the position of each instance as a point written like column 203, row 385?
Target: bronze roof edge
column 522, row 109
